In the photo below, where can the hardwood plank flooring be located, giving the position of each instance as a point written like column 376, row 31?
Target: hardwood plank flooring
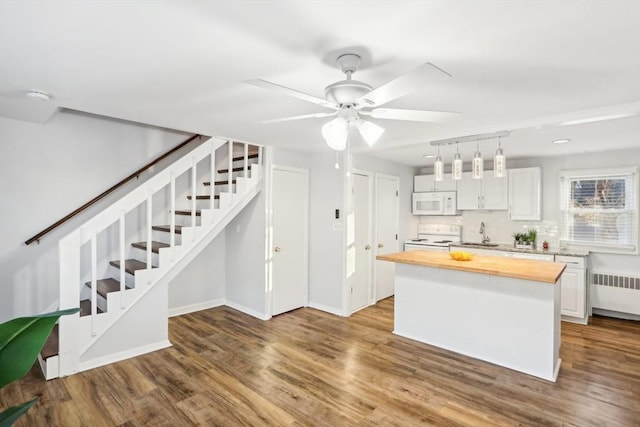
column 311, row 368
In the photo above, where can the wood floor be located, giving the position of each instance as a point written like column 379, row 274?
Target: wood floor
column 307, row 367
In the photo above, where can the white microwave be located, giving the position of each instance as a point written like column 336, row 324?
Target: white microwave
column 435, row 203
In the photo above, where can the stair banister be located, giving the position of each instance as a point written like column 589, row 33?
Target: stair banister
column 230, row 173
column 172, row 210
column 122, row 242
column 194, row 166
column 212, row 174
column 94, row 282
column 149, row 231
column 246, row 160
column 91, row 202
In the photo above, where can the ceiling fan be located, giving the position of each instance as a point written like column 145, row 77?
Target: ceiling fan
column 352, row 100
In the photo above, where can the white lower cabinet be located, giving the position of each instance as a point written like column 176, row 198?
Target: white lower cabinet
column 574, row 293
column 573, row 289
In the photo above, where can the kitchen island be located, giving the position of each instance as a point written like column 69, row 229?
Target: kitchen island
column 501, row 310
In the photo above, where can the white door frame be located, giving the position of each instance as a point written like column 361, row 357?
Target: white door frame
column 347, row 286
column 269, row 239
column 375, row 225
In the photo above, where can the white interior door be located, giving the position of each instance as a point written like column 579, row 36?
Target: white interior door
column 289, row 202
column 387, row 206
column 361, row 280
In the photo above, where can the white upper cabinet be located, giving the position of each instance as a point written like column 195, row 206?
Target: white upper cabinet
column 422, row 183
column 524, row 194
column 489, row 193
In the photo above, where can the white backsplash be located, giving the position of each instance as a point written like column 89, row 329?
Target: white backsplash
column 498, row 226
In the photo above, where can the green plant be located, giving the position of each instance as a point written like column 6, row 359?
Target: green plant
column 520, row 237
column 532, row 235
column 21, row 340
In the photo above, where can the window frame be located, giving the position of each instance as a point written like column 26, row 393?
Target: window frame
column 591, row 174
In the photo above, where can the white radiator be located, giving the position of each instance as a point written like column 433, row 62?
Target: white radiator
column 615, row 292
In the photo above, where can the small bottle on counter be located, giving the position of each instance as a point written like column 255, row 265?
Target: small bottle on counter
column 545, row 246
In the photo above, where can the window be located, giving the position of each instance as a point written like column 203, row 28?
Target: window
column 599, row 209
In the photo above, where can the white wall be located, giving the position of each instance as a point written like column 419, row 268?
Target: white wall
column 46, row 172
column 245, row 287
column 408, row 222
column 202, row 283
column 327, row 245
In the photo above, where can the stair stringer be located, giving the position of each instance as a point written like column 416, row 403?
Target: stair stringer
column 171, row 262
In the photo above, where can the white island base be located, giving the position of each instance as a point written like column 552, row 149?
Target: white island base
column 510, row 322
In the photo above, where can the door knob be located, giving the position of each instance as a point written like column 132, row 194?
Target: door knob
column 380, row 245
column 367, row 247
column 276, row 249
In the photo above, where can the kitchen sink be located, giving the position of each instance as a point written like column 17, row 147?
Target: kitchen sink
column 485, row 245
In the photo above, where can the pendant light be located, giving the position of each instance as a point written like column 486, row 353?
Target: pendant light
column 456, row 166
column 438, row 167
column 477, row 164
column 499, row 163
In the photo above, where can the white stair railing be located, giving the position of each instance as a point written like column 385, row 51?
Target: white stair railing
column 77, row 334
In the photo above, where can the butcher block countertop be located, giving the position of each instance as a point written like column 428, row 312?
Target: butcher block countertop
column 539, row 271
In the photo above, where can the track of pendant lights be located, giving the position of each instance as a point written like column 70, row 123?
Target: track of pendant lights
column 477, row 163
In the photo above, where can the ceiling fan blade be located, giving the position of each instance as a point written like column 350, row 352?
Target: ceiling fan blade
column 305, row 116
column 403, row 85
column 411, row 115
column 292, row 92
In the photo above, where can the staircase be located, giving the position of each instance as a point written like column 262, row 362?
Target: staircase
column 117, row 266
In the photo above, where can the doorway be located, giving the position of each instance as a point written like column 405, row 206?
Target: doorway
column 361, row 241
column 289, row 236
column 387, row 225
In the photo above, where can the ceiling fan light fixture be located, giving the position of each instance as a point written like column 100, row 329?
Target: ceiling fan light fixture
column 335, row 133
column 369, row 131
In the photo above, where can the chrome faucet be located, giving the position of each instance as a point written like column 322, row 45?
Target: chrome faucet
column 485, row 238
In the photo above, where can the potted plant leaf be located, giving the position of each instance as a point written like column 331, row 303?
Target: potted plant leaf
column 21, row 340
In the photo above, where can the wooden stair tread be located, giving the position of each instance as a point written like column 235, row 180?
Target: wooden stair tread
column 250, row 156
column 106, row 286
column 167, row 228
column 52, row 345
column 207, row 197
column 155, row 246
column 131, row 265
column 85, row 308
column 187, row 213
column 236, row 169
column 222, row 182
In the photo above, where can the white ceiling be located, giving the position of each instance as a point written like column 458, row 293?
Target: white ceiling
column 523, row 66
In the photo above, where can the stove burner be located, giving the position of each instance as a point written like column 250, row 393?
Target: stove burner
column 444, row 241
column 419, row 240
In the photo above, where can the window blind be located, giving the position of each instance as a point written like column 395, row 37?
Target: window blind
column 600, row 209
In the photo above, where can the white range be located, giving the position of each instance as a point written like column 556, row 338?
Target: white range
column 434, row 237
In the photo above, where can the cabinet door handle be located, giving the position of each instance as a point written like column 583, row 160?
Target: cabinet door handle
column 276, row 249
column 367, row 247
column 380, row 245
column 479, row 202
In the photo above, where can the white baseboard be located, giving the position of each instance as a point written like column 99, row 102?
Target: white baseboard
column 616, row 314
column 127, row 354
column 247, row 310
column 331, row 310
column 191, row 308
